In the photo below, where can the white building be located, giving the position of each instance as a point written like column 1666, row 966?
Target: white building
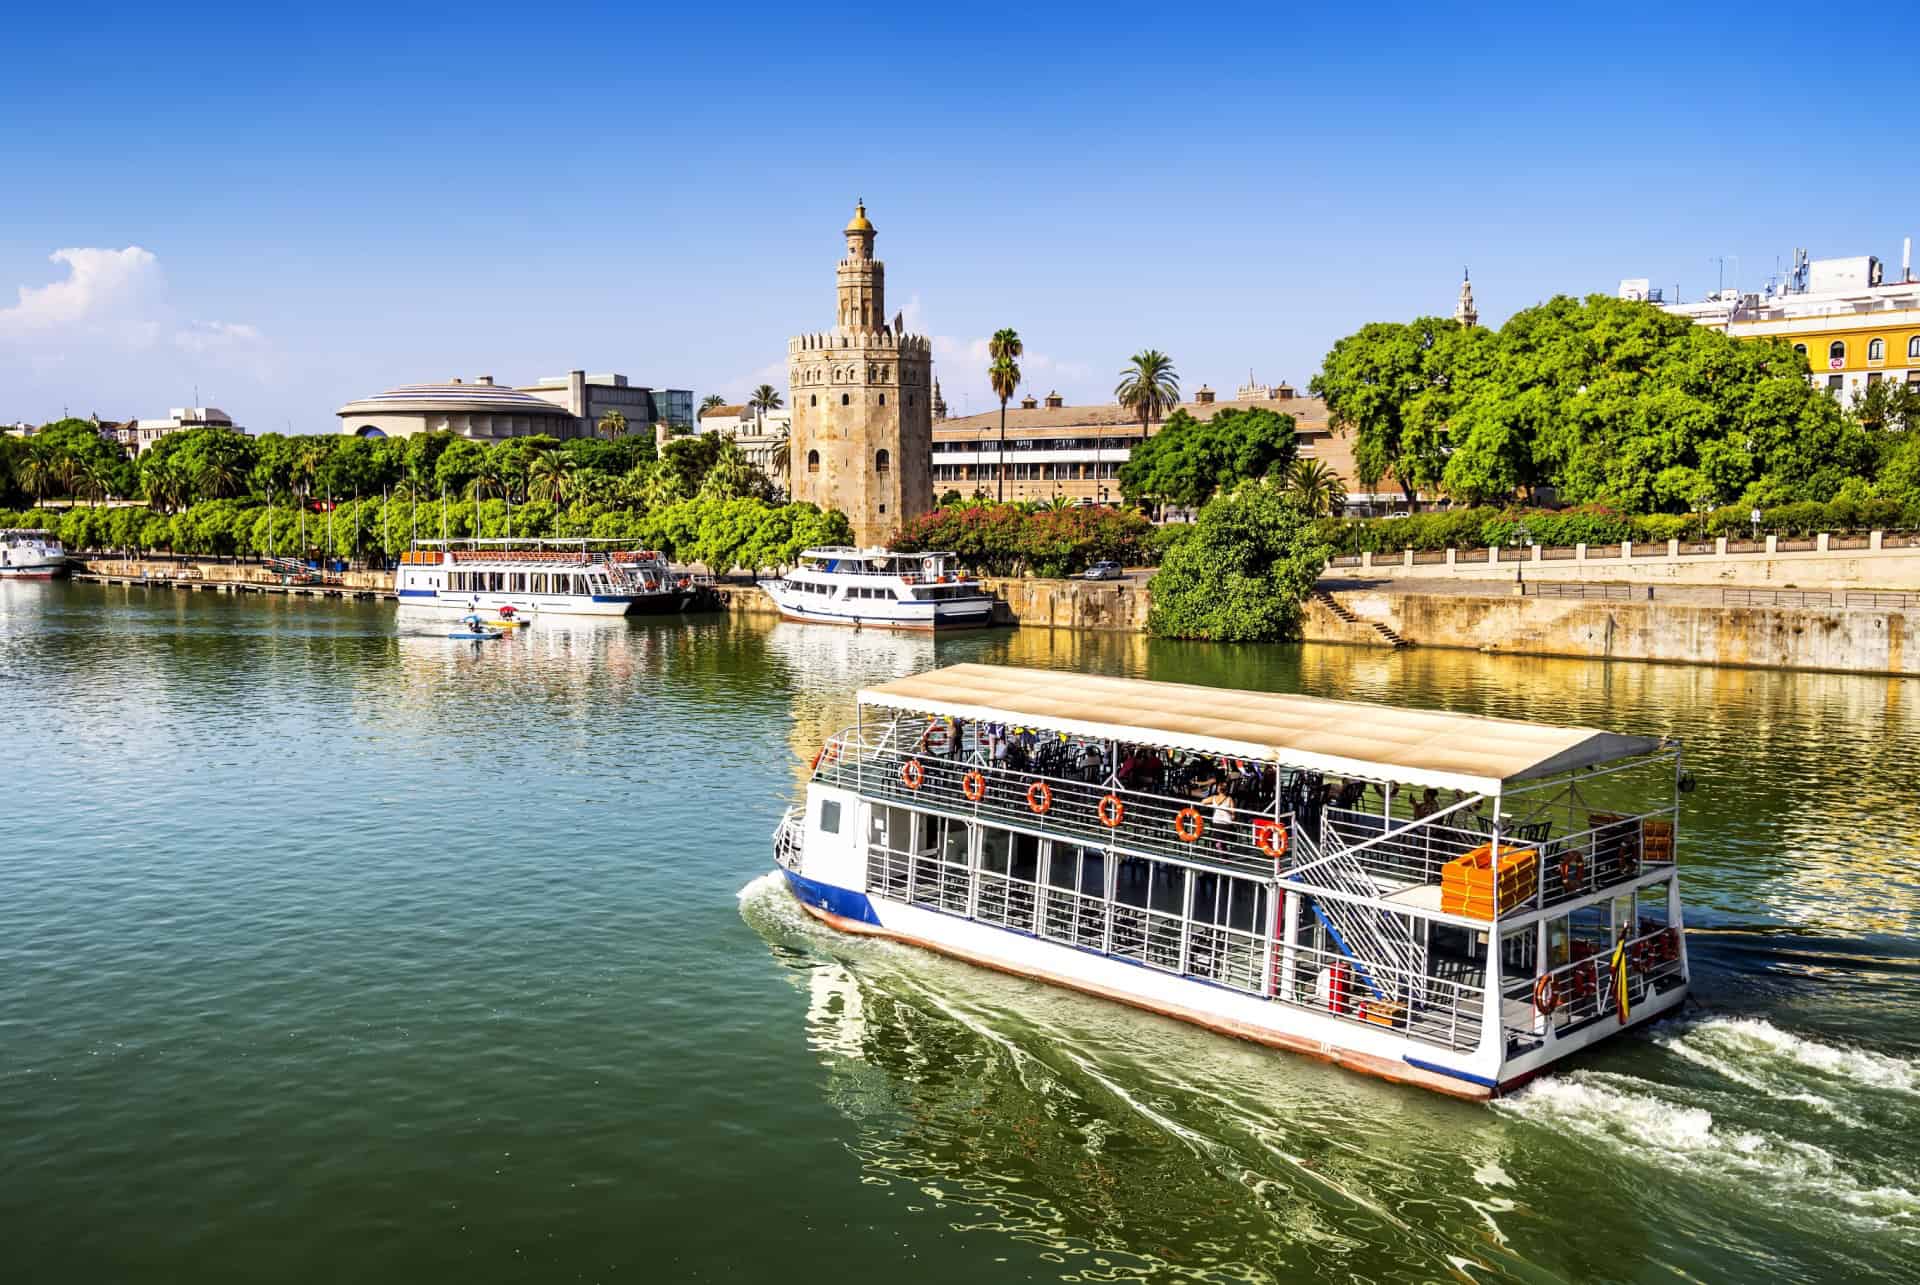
column 1854, row 326
column 140, row 436
column 569, row 405
column 757, row 433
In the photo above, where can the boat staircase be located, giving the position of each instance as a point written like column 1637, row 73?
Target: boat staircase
column 1387, row 957
column 1340, row 609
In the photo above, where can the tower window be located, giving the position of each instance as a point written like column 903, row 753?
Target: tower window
column 813, row 461
column 883, row 399
column 845, row 400
column 1876, row 350
column 814, row 400
column 1837, row 350
column 882, row 462
column 909, row 399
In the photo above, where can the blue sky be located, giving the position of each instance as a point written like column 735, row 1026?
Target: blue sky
column 292, row 209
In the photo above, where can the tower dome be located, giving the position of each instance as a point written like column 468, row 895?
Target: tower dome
column 860, row 223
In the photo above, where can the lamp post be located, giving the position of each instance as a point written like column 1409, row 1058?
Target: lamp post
column 1521, row 538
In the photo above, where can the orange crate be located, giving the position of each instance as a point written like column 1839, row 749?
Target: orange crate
column 1467, row 883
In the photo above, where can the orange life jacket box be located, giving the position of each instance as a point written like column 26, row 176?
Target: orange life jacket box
column 1468, row 882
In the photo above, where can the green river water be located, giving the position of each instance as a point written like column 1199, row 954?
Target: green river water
column 331, row 950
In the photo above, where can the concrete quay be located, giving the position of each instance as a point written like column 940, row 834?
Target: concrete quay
column 228, row 577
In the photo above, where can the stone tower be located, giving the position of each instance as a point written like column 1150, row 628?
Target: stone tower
column 861, row 396
column 1464, row 312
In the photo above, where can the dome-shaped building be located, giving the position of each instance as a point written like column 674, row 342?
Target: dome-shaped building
column 482, row 410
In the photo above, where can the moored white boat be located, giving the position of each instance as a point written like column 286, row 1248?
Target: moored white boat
column 880, row 590
column 536, row 577
column 29, row 553
column 1184, row 850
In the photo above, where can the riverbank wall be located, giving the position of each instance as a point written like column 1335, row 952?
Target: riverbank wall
column 1870, row 560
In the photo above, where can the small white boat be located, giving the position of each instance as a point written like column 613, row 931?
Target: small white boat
column 881, row 590
column 474, row 629
column 547, row 577
column 30, row 553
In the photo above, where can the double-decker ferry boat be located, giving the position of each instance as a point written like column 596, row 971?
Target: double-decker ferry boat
column 29, row 553
column 875, row 588
column 532, row 577
column 1446, row 900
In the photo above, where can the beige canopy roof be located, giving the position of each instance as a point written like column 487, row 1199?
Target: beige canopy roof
column 1408, row 746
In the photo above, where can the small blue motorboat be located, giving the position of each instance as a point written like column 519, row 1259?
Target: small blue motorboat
column 475, row 631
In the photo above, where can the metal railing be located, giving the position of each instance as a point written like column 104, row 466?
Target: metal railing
column 1059, row 807
column 1573, row 994
column 787, row 837
column 1579, row 589
column 1438, row 1010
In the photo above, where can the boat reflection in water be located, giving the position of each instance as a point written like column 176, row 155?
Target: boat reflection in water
column 1112, row 1142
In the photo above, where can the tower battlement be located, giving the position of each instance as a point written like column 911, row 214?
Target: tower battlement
column 870, row 340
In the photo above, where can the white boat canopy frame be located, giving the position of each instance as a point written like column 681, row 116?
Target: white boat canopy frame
column 1342, row 738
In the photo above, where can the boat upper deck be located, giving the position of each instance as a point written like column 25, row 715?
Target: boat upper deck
column 1384, row 743
column 848, row 561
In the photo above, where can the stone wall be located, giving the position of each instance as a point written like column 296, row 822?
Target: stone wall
column 220, row 573
column 1849, row 640
column 1886, row 561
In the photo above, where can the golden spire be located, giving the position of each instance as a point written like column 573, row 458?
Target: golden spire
column 860, row 223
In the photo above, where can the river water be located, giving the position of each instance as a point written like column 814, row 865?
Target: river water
column 332, row 950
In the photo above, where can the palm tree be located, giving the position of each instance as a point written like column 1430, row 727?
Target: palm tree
column 488, row 479
column 613, row 424
column 91, row 482
column 1003, row 375
column 783, row 462
column 1318, row 488
column 38, row 471
column 763, row 400
column 551, row 476
column 711, row 400
column 1149, row 387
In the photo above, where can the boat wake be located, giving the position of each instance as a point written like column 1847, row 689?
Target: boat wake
column 1778, row 1115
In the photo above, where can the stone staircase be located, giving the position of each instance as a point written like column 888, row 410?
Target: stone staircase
column 1334, row 605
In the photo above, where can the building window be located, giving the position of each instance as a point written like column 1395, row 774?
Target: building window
column 1876, row 350
column 813, row 461
column 883, row 399
column 1833, row 383
column 1837, row 350
column 882, row 462
column 1913, row 348
column 1873, row 377
column 1801, row 349
column 845, row 400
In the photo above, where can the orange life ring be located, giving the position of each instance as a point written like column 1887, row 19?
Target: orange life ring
column 1573, row 871
column 1545, row 996
column 831, row 753
column 1270, row 837
column 1039, row 797
column 1112, row 811
column 1188, row 825
column 911, row 774
column 974, row 786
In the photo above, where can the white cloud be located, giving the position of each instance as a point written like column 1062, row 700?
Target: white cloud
column 108, row 331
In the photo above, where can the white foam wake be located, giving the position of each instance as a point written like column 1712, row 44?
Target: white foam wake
column 1754, row 1044
column 1612, row 1111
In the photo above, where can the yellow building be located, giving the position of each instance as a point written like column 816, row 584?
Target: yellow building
column 1854, row 327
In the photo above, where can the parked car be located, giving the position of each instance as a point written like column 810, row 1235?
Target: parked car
column 1105, row 571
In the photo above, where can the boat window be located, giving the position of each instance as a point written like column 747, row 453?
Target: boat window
column 1093, row 872
column 1026, row 858
column 1063, row 867
column 830, row 816
column 1132, row 881
column 1559, row 943
column 953, row 841
column 996, row 850
column 1517, row 951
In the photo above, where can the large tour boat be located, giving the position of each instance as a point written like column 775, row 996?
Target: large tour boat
column 29, row 553
column 1446, row 900
column 533, row 577
column 880, row 590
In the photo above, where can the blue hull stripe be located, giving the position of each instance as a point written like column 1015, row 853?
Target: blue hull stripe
column 1470, row 1078
column 835, row 901
column 419, row 593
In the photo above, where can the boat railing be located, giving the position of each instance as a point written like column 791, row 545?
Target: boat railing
column 1396, row 852
column 787, row 839
column 1143, row 823
column 1612, row 850
column 1444, row 1010
column 1535, row 1009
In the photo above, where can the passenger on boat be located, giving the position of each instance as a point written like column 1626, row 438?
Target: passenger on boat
column 1427, row 804
column 1222, row 804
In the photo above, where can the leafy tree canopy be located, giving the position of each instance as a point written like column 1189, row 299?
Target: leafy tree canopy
column 1242, row 572
column 1189, row 459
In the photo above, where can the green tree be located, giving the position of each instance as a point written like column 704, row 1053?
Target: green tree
column 1391, row 386
column 1003, row 376
column 553, row 477
column 1189, row 459
column 1243, row 571
column 1148, row 387
column 613, row 425
column 710, row 401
